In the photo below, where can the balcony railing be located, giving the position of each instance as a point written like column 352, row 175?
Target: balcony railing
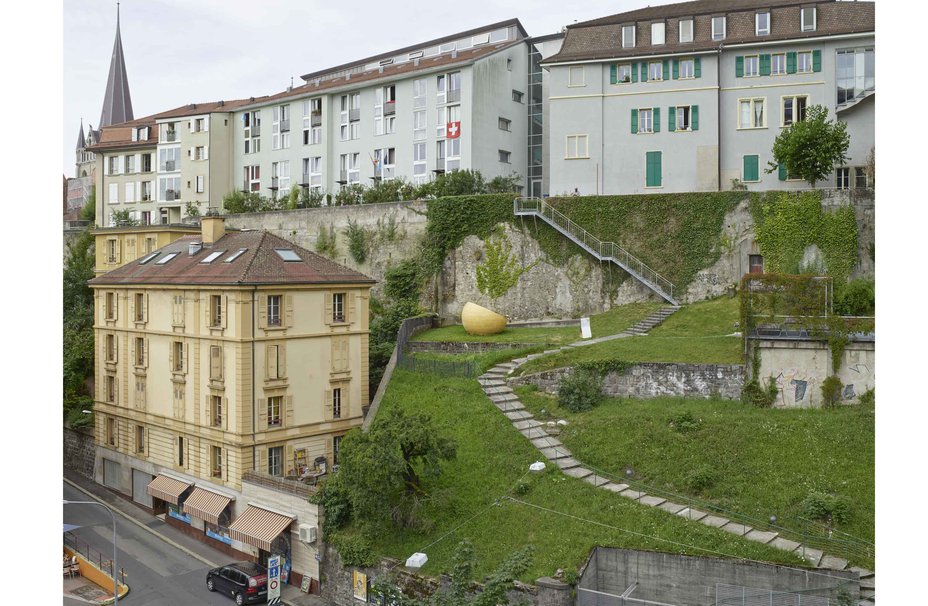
column 389, row 108
column 255, row 130
column 171, row 195
column 168, row 166
column 169, row 136
column 440, row 165
column 275, row 182
column 343, row 176
column 315, row 119
column 285, row 126
column 454, row 95
column 354, row 114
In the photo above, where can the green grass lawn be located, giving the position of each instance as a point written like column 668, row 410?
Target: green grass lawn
column 611, row 322
column 697, row 333
column 760, row 462
column 492, row 459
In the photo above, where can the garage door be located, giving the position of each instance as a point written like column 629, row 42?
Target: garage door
column 140, row 480
column 112, row 474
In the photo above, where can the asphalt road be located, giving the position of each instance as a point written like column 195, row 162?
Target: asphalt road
column 157, row 573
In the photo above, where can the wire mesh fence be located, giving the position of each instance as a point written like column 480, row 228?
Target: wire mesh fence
column 407, row 361
column 739, row 595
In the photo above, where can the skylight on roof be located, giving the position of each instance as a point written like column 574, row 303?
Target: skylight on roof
column 166, row 258
column 235, row 255
column 287, row 254
column 148, row 258
column 212, row 256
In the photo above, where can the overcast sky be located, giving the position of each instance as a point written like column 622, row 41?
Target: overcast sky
column 189, row 51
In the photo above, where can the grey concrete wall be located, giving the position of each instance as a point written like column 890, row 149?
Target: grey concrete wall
column 79, row 451
column 463, row 347
column 653, row 380
column 677, row 579
column 799, row 367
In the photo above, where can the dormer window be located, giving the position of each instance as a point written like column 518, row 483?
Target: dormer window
column 762, row 24
column 718, row 28
column 686, row 30
column 628, row 36
column 657, row 33
column 808, row 19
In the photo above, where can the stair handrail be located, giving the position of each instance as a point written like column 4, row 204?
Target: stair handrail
column 630, row 260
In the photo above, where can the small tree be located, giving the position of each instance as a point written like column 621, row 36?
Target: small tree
column 810, row 148
column 89, row 210
column 124, row 217
column 192, row 209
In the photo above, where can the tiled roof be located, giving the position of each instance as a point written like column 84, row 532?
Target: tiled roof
column 602, row 38
column 396, row 70
column 120, row 135
column 259, row 264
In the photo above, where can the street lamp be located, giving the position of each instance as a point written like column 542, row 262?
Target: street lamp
column 112, row 515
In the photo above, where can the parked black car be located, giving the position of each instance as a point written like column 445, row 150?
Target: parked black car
column 244, row 582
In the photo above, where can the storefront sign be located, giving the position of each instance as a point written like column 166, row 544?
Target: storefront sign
column 273, row 579
column 359, row 585
column 174, row 513
column 225, row 539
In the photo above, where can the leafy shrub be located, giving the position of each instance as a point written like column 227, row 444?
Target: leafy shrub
column 245, row 202
column 385, row 326
column 868, row 398
column 348, row 195
column 402, row 281
column 580, row 391
column 684, row 422
column 856, row 298
column 826, row 507
column 702, row 478
column 505, row 185
column 753, row 392
column 831, row 391
column 325, row 242
column 354, row 550
column 522, row 488
column 311, row 198
column 458, row 183
column 391, row 190
column 358, row 241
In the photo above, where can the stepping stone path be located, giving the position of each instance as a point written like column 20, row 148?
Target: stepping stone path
column 495, row 385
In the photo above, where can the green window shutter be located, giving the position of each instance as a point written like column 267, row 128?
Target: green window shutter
column 634, row 72
column 644, row 71
column 739, row 66
column 816, row 61
column 634, row 121
column 653, row 169
column 657, row 119
column 781, row 172
column 694, row 117
column 613, row 73
column 666, row 74
column 765, row 65
column 791, row 62
column 750, row 171
column 676, row 69
column 697, row 68
column 671, row 118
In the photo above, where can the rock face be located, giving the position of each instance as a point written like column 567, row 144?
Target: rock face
column 478, row 320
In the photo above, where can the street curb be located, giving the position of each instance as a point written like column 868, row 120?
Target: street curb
column 152, row 531
column 143, row 526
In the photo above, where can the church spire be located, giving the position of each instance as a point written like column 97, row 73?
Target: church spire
column 117, row 104
column 81, row 142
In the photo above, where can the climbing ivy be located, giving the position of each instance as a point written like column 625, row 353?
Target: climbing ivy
column 788, row 223
column 500, row 271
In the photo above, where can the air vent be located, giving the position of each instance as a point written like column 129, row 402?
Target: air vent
column 194, row 247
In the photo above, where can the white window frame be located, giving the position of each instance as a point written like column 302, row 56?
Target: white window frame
column 678, row 114
column 692, row 64
column 799, row 55
column 130, row 192
column 419, row 162
column 626, row 43
column 783, row 108
column 802, row 19
column 649, row 112
column 505, row 124
column 684, row 40
column 113, row 197
column 505, row 157
column 627, row 67
column 420, row 123
column 660, row 71
column 573, row 147
column 755, row 60
column 659, row 26
column 572, row 79
column 782, row 62
column 757, row 29
column 719, row 35
column 200, row 184
column 752, row 112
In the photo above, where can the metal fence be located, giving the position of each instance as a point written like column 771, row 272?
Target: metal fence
column 739, row 595
column 83, row 548
column 591, row 597
column 407, row 361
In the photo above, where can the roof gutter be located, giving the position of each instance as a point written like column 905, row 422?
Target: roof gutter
column 803, row 40
column 628, row 58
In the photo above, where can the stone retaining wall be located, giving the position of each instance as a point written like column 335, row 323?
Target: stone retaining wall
column 79, row 451
column 651, row 380
column 462, row 347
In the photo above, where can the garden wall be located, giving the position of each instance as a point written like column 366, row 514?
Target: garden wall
column 653, row 380
column 79, row 451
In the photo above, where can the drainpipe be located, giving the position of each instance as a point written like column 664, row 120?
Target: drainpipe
column 254, row 418
column 718, row 113
column 602, row 143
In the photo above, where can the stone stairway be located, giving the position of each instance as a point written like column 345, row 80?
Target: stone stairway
column 655, row 319
column 496, row 387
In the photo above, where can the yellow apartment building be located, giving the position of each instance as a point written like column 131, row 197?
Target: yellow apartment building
column 223, row 354
column 116, row 246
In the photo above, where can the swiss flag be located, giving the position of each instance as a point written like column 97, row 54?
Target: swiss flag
column 453, row 130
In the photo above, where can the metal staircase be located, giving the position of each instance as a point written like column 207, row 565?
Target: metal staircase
column 604, row 251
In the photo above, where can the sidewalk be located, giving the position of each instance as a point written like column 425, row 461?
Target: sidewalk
column 290, row 595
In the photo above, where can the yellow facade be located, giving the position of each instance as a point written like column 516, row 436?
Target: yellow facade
column 171, row 374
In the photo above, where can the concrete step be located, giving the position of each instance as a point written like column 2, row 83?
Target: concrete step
column 671, row 507
column 498, row 398
column 577, row 472
column 615, row 487
column 518, row 415
column 553, row 453
column 533, row 433
column 491, row 382
column 596, row 480
column 509, row 405
column 567, row 463
column 526, row 424
column 497, row 391
column 692, row 514
column 811, row 555
column 832, row 562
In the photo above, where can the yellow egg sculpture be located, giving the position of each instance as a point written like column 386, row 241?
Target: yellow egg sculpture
column 479, row 320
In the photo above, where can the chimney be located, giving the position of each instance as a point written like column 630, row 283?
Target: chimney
column 194, row 247
column 212, row 228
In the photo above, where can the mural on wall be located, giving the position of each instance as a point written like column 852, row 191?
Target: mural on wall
column 795, row 385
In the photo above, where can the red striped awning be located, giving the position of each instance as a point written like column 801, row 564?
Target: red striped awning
column 206, row 504
column 258, row 527
column 167, row 488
